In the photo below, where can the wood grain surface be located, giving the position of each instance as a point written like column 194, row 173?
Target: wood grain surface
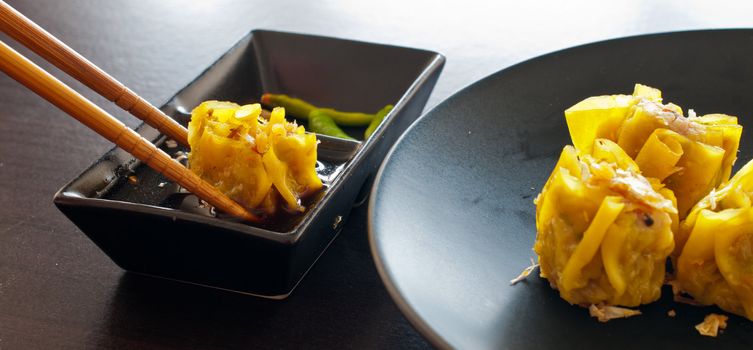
column 57, row 290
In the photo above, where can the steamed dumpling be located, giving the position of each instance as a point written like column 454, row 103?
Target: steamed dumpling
column 603, row 230
column 253, row 160
column 716, row 262
column 691, row 156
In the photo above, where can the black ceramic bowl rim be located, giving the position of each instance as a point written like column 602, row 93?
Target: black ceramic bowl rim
column 423, row 327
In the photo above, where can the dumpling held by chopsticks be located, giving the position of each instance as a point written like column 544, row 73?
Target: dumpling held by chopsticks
column 253, row 160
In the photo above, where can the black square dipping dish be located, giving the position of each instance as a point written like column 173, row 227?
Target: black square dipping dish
column 147, row 225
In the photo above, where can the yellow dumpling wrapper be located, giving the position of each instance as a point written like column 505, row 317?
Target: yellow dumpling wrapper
column 723, row 131
column 660, row 154
column 603, row 230
column 715, row 265
column 691, row 156
column 597, row 117
column 253, row 160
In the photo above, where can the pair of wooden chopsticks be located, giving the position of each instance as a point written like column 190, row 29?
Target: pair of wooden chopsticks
column 56, row 92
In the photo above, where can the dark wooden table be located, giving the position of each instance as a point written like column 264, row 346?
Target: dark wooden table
column 57, row 290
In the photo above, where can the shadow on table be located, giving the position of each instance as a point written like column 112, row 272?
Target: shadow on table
column 341, row 303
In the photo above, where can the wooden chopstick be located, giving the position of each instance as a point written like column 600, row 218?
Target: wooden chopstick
column 56, row 92
column 28, row 33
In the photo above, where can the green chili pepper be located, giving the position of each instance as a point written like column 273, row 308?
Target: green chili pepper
column 301, row 109
column 293, row 106
column 377, row 120
column 321, row 122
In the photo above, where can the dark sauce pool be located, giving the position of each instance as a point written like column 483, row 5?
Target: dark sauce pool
column 145, row 186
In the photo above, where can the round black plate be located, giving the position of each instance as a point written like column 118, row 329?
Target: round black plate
column 452, row 217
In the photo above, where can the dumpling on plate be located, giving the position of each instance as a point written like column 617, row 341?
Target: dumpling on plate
column 690, row 155
column 604, row 231
column 716, row 261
